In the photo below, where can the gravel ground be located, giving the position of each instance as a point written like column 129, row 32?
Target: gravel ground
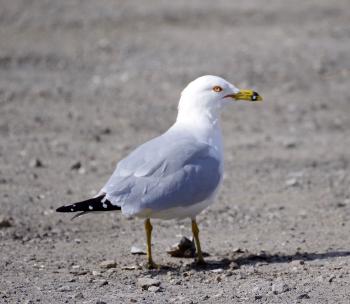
column 84, row 82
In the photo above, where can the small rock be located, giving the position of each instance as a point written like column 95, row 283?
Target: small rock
column 218, row 295
column 154, row 289
column 75, row 266
column 292, row 182
column 102, row 282
column 184, row 249
column 78, row 296
column 340, row 205
column 6, row 222
column 64, row 289
column 145, row 283
column 303, row 296
column 131, row 267
column 297, row 262
column 279, row 287
column 76, row 166
column 218, row 270
column 242, row 276
column 137, row 250
column 82, row 170
column 36, row 163
column 234, row 265
column 96, row 273
column 108, row 264
column 110, row 271
column 289, row 144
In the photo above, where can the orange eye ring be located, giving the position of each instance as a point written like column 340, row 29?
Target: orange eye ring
column 217, row 89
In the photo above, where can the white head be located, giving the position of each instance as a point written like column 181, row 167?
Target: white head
column 206, row 95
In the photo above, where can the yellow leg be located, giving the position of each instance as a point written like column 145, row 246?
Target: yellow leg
column 195, row 232
column 148, row 228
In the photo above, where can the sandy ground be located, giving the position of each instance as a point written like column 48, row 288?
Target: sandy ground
column 84, row 82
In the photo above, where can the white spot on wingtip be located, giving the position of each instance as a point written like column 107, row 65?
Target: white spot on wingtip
column 72, row 209
column 91, row 208
column 104, row 205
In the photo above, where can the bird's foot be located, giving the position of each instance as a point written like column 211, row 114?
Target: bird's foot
column 151, row 265
column 200, row 262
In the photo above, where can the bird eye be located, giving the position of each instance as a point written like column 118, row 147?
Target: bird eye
column 217, row 89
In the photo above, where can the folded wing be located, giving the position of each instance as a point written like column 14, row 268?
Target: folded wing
column 166, row 172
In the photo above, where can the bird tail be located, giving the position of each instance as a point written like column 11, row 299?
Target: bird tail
column 99, row 203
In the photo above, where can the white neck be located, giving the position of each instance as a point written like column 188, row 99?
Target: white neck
column 202, row 123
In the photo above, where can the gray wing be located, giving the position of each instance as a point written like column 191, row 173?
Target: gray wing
column 163, row 173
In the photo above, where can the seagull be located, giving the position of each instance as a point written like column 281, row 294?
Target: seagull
column 177, row 174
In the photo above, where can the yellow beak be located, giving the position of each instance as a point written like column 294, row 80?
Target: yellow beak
column 248, row 95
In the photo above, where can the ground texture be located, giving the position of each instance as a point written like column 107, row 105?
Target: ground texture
column 84, row 82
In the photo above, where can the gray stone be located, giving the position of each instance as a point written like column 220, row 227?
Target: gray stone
column 279, row 287
column 154, row 289
column 184, row 249
column 292, row 182
column 137, row 250
column 145, row 283
column 303, row 296
column 65, row 289
column 78, row 296
column 108, row 264
column 6, row 222
column 36, row 163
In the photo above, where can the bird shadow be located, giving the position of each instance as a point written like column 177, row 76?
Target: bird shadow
column 238, row 258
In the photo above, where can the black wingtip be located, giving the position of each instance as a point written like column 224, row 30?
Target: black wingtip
column 63, row 209
column 99, row 203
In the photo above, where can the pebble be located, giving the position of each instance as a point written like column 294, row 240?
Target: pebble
column 154, row 289
column 64, row 289
column 279, row 287
column 78, row 296
column 218, row 270
column 146, row 283
column 110, row 271
column 131, row 267
column 297, row 262
column 108, row 264
column 303, row 296
column 234, row 265
column 184, row 249
column 292, row 182
column 76, row 166
column 101, row 282
column 6, row 222
column 137, row 250
column 289, row 144
column 36, row 163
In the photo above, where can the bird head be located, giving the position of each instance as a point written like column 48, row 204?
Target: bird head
column 208, row 94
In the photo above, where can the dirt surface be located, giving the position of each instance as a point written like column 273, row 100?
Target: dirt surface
column 84, row 82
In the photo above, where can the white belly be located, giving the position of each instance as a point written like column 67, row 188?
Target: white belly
column 177, row 212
